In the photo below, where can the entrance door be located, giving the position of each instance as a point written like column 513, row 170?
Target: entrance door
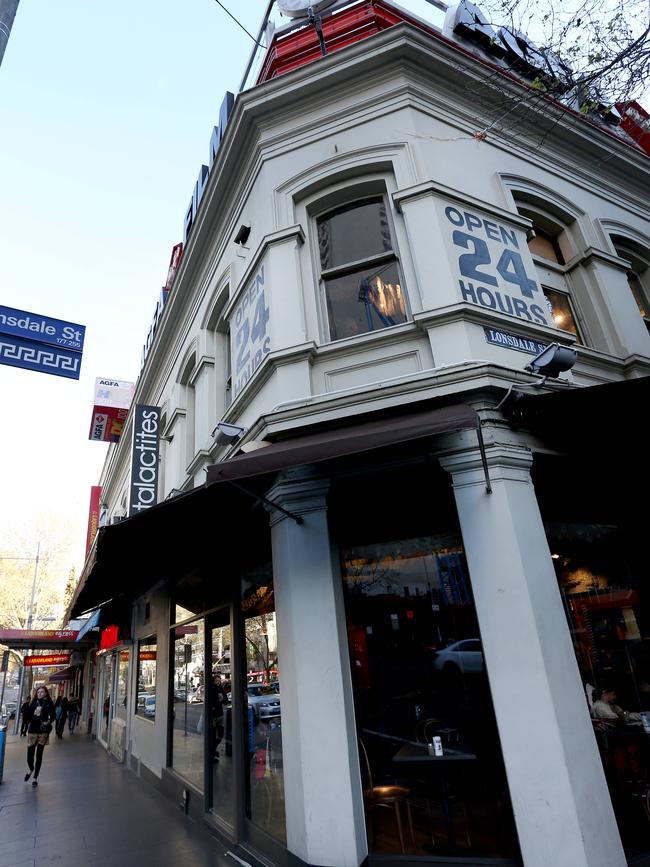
column 105, row 699
column 218, row 705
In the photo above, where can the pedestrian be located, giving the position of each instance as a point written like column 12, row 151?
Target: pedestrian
column 73, row 713
column 24, row 718
column 40, row 715
column 61, row 715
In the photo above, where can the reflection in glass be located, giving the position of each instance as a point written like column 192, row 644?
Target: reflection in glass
column 263, row 734
column 363, row 289
column 188, row 717
column 364, row 300
column 219, row 712
column 147, row 662
column 561, row 312
column 428, row 745
column 106, row 698
column 122, row 683
column 606, row 606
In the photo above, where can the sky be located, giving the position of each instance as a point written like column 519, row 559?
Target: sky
column 106, row 112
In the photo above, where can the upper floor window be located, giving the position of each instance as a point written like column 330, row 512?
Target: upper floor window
column 638, row 277
column 359, row 269
column 551, row 247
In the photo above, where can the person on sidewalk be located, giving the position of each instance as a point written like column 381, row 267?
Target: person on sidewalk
column 24, row 718
column 61, row 715
column 40, row 716
column 73, row 713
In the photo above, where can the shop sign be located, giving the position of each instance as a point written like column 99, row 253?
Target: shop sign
column 93, row 516
column 493, row 265
column 204, row 173
column 47, row 659
column 40, row 343
column 144, row 458
column 147, row 655
column 7, row 635
column 514, row 341
column 250, row 325
column 110, row 636
column 110, row 409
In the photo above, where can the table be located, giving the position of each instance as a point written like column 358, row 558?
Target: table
column 418, row 754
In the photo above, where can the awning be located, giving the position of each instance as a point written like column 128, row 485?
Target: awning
column 342, row 441
column 65, row 674
column 91, row 623
column 161, row 542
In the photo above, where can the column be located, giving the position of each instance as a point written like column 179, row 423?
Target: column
column 561, row 803
column 323, row 797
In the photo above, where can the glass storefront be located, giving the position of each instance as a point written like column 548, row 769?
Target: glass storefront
column 219, row 713
column 432, row 771
column 596, row 542
column 106, row 687
column 225, row 734
column 188, row 702
column 263, row 733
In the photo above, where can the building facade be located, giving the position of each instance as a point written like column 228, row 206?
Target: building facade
column 390, row 610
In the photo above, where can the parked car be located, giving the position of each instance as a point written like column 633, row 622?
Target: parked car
column 461, row 656
column 264, row 699
column 150, row 705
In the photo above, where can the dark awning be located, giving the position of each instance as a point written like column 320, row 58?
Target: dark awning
column 163, row 541
column 65, row 674
column 326, row 445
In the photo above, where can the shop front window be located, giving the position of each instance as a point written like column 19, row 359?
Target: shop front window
column 146, row 682
column 431, row 765
column 188, row 702
column 606, row 605
column 263, row 731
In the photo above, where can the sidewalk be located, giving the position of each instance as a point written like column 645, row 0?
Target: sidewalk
column 88, row 810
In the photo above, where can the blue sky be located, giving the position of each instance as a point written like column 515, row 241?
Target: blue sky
column 106, row 111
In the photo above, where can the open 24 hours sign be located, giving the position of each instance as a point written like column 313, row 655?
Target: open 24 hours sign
column 249, row 323
column 493, row 265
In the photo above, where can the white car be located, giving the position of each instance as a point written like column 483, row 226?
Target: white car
column 150, row 705
column 465, row 656
column 264, row 699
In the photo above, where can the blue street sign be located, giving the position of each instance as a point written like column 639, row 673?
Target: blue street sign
column 42, row 329
column 40, row 343
column 31, row 355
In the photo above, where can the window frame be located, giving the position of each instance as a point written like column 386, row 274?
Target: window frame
column 318, row 211
column 147, row 641
column 640, row 269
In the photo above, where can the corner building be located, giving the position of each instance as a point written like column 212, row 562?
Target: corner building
column 420, row 571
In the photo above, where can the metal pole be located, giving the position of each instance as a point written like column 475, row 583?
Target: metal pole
column 29, row 617
column 7, row 15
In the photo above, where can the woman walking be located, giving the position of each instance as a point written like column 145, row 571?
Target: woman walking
column 40, row 716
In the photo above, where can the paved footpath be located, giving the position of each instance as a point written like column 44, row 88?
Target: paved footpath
column 88, row 811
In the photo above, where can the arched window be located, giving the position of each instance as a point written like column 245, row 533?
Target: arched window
column 359, row 268
column 551, row 244
column 638, row 276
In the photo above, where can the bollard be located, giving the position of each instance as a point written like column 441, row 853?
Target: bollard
column 3, row 743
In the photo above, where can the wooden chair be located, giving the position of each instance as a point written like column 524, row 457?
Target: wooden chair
column 389, row 797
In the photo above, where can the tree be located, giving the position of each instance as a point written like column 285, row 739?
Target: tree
column 596, row 51
column 18, row 547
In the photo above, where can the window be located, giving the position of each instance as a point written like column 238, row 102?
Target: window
column 551, row 248
column 146, row 693
column 638, row 277
column 188, row 696
column 359, row 269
